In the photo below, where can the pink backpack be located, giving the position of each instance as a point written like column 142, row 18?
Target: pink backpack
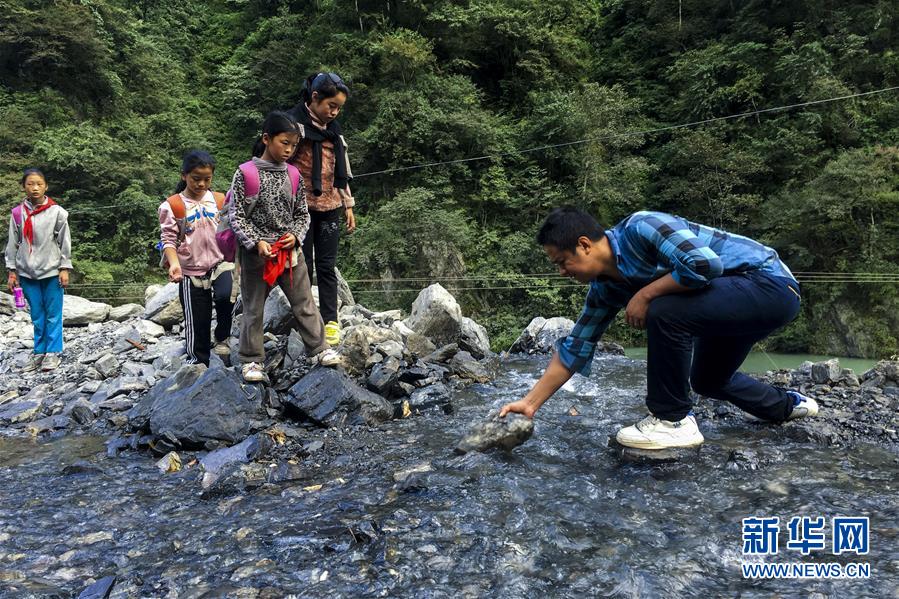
column 224, row 236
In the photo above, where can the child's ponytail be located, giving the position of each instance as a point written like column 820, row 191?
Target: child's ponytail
column 192, row 160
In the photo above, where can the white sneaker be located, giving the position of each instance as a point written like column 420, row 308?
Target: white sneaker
column 329, row 357
column 803, row 406
column 33, row 363
column 655, row 433
column 252, row 372
column 221, row 348
column 50, row 363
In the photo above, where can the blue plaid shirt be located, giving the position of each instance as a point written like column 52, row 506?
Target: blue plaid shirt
column 647, row 246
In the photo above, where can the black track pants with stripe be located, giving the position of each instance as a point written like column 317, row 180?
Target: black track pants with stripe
column 197, row 304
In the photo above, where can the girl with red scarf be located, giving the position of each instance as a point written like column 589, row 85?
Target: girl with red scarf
column 39, row 258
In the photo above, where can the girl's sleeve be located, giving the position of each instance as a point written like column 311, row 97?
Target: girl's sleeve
column 168, row 226
column 12, row 245
column 248, row 234
column 64, row 239
column 300, row 216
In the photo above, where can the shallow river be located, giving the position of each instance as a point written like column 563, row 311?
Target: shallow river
column 561, row 516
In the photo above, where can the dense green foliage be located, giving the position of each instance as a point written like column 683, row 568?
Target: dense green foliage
column 106, row 95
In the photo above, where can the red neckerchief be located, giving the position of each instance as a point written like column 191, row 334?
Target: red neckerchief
column 274, row 267
column 28, row 228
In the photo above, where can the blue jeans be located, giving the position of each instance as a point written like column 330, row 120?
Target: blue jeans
column 698, row 339
column 45, row 300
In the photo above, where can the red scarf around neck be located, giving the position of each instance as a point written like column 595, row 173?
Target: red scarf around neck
column 28, row 228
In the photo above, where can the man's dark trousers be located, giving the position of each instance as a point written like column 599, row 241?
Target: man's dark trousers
column 699, row 339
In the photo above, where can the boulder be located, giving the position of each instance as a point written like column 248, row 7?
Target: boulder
column 501, row 433
column 124, row 312
column 436, row 314
column 78, row 311
column 214, row 406
column 330, row 398
column 7, row 304
column 825, row 373
column 277, row 318
column 541, row 334
column 384, row 376
column 436, row 395
column 164, row 308
column 464, row 365
column 215, row 463
column 473, row 338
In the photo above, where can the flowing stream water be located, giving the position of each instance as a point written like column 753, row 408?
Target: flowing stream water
column 561, row 516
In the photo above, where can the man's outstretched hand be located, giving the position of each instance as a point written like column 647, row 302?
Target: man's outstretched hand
column 518, row 407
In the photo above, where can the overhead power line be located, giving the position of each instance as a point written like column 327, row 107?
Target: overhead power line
column 607, row 137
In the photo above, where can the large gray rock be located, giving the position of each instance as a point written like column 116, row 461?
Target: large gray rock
column 7, row 304
column 541, row 334
column 185, row 377
column 473, row 338
column 502, row 433
column 164, row 308
column 436, row 314
column 217, row 407
column 79, row 311
column 277, row 318
column 215, row 463
column 330, row 398
column 124, row 312
column 355, row 347
column 824, row 373
column 464, row 365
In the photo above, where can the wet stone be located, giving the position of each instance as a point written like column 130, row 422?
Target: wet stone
column 330, row 398
column 654, row 456
column 126, row 384
column 501, row 433
column 107, row 365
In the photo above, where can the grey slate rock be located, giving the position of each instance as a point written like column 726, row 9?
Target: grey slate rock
column 99, row 590
column 330, row 398
column 187, row 375
column 215, row 463
column 827, row 372
column 217, row 407
column 384, row 376
column 464, row 365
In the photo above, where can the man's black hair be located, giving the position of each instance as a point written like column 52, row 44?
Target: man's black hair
column 565, row 225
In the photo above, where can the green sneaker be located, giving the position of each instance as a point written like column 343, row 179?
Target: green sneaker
column 332, row 333
column 33, row 363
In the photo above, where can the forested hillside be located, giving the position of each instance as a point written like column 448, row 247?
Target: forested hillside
column 106, row 95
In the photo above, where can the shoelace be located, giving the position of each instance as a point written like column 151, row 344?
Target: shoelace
column 649, row 420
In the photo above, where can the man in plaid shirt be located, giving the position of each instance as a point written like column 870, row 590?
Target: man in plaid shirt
column 704, row 296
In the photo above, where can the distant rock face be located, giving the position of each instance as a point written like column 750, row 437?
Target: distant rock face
column 217, row 407
column 79, row 311
column 330, row 398
column 501, row 433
